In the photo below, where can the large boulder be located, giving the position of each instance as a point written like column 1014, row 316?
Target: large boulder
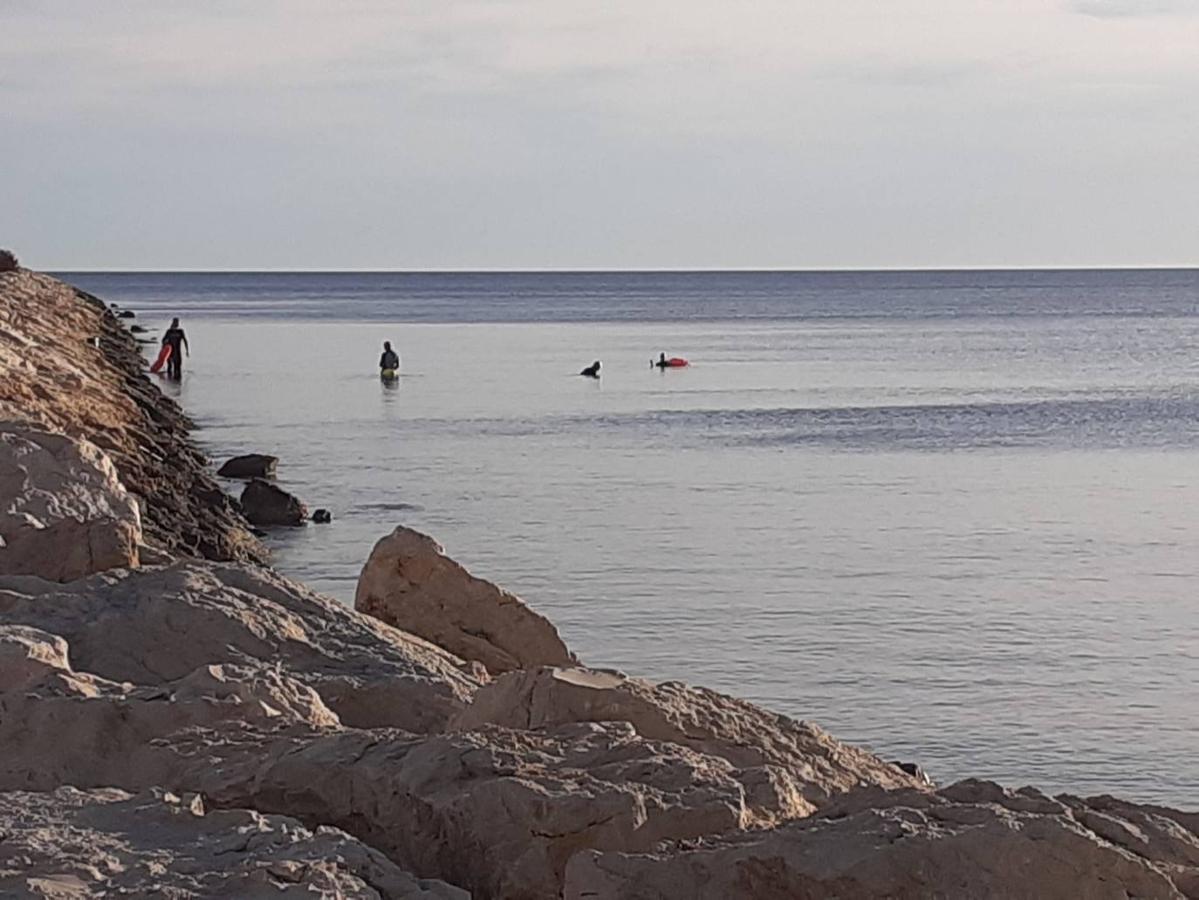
column 102, row 843
column 64, row 513
column 266, row 504
column 703, row 720
column 151, row 626
column 496, row 811
column 970, row 840
column 75, row 728
column 251, row 465
column 410, row 583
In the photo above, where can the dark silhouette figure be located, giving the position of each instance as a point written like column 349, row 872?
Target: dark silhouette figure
column 177, row 341
column 661, row 363
column 592, row 371
column 390, row 359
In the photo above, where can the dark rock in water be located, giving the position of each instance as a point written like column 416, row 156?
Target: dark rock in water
column 252, row 465
column 137, row 329
column 322, row 516
column 126, row 314
column 265, row 504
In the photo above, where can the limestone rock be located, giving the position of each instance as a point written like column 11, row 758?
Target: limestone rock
column 153, row 626
column 64, row 513
column 266, row 504
column 971, row 840
column 75, row 728
column 251, row 465
column 496, row 811
column 28, row 655
column 102, row 843
column 410, row 583
column 746, row 735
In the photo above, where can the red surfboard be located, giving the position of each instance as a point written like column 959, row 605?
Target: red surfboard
column 677, row 362
column 163, row 355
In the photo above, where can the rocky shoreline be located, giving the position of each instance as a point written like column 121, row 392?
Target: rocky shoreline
column 177, row 719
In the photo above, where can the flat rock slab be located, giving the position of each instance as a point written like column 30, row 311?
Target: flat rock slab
column 973, row 839
column 151, row 626
column 815, row 766
column 71, row 843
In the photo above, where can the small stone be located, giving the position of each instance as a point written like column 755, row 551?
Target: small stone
column 322, row 517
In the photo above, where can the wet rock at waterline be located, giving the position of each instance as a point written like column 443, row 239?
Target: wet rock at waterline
column 250, row 465
column 266, row 504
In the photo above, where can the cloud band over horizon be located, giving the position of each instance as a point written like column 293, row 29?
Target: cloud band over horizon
column 533, row 134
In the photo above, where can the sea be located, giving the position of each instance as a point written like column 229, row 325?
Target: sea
column 948, row 515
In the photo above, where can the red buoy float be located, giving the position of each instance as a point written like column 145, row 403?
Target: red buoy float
column 163, row 355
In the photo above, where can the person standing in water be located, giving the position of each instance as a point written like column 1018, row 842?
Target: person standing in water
column 390, row 359
column 177, row 341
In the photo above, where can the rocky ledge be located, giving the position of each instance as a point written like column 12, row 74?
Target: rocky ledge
column 68, row 366
column 192, row 728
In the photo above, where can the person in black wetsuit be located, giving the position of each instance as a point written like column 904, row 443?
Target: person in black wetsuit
column 592, row 371
column 661, row 363
column 177, row 340
column 390, row 359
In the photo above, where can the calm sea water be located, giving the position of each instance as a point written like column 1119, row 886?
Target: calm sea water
column 951, row 516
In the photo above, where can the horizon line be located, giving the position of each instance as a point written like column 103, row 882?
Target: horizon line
column 617, row 271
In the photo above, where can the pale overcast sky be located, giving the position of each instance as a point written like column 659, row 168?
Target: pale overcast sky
column 550, row 134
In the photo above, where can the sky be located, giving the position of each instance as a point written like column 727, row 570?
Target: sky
column 549, row 134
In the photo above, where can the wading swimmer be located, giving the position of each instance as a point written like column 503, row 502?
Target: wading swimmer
column 177, row 341
column 389, row 362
